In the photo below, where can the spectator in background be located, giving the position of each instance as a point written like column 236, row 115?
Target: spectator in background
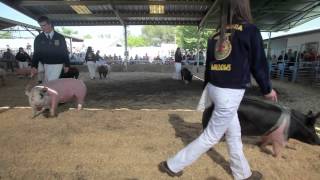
column 91, row 62
column 282, row 57
column 23, row 58
column 274, row 59
column 177, row 64
column 98, row 57
column 201, row 58
column 8, row 57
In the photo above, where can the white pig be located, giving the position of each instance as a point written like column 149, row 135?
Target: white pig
column 50, row 94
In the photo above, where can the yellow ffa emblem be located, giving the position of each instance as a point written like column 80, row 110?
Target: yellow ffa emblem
column 222, row 51
column 56, row 42
column 221, row 67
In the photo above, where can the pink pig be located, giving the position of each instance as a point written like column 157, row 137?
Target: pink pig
column 50, row 94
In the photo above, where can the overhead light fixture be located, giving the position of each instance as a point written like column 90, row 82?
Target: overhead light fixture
column 156, row 9
column 81, row 9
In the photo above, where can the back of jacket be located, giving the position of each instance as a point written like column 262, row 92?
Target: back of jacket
column 230, row 64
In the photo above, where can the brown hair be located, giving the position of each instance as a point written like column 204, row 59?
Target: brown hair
column 44, row 19
column 233, row 11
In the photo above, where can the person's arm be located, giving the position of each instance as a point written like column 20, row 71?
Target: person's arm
column 17, row 57
column 207, row 67
column 259, row 65
column 36, row 53
column 65, row 52
column 28, row 57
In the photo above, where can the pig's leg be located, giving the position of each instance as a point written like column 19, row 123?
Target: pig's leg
column 54, row 105
column 276, row 146
column 80, row 99
column 265, row 141
column 79, row 107
column 37, row 113
column 34, row 112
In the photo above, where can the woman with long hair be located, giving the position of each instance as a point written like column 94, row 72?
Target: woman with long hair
column 233, row 54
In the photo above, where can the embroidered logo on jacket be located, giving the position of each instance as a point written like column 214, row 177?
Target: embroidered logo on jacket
column 56, row 42
column 221, row 67
column 222, row 50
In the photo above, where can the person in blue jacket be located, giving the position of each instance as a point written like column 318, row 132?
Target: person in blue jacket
column 50, row 50
column 233, row 54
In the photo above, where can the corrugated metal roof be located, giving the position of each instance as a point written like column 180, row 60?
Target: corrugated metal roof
column 269, row 15
column 6, row 23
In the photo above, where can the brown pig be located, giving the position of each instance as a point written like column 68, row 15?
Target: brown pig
column 50, row 94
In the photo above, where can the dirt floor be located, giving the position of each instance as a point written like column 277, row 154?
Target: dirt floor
column 134, row 121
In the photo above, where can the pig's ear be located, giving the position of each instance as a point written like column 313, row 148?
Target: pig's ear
column 44, row 90
column 311, row 119
column 27, row 93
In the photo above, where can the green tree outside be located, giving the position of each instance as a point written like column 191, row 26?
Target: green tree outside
column 155, row 35
column 5, row 35
column 87, row 36
column 187, row 37
column 66, row 31
column 136, row 41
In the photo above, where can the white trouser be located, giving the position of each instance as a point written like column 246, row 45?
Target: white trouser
column 52, row 71
column 92, row 69
column 224, row 120
column 23, row 64
column 40, row 72
column 177, row 74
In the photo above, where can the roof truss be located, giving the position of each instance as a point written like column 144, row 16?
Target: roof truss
column 269, row 15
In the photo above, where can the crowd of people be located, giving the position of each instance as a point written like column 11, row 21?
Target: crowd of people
column 291, row 57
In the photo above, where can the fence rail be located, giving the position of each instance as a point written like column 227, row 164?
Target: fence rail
column 304, row 72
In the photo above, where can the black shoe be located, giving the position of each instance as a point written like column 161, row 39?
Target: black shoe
column 163, row 167
column 256, row 175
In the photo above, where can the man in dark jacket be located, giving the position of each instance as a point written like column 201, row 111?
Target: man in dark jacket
column 50, row 49
column 9, row 58
column 23, row 58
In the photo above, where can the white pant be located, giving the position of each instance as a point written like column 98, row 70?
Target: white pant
column 92, row 69
column 23, row 64
column 224, row 120
column 177, row 74
column 52, row 71
column 40, row 72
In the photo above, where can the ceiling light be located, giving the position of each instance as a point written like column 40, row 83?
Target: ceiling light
column 156, row 9
column 81, row 9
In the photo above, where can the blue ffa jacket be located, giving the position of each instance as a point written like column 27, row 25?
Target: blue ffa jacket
column 230, row 64
column 52, row 51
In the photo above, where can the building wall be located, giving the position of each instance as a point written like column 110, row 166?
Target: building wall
column 278, row 45
column 303, row 39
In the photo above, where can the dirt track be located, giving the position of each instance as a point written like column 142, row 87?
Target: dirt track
column 128, row 144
